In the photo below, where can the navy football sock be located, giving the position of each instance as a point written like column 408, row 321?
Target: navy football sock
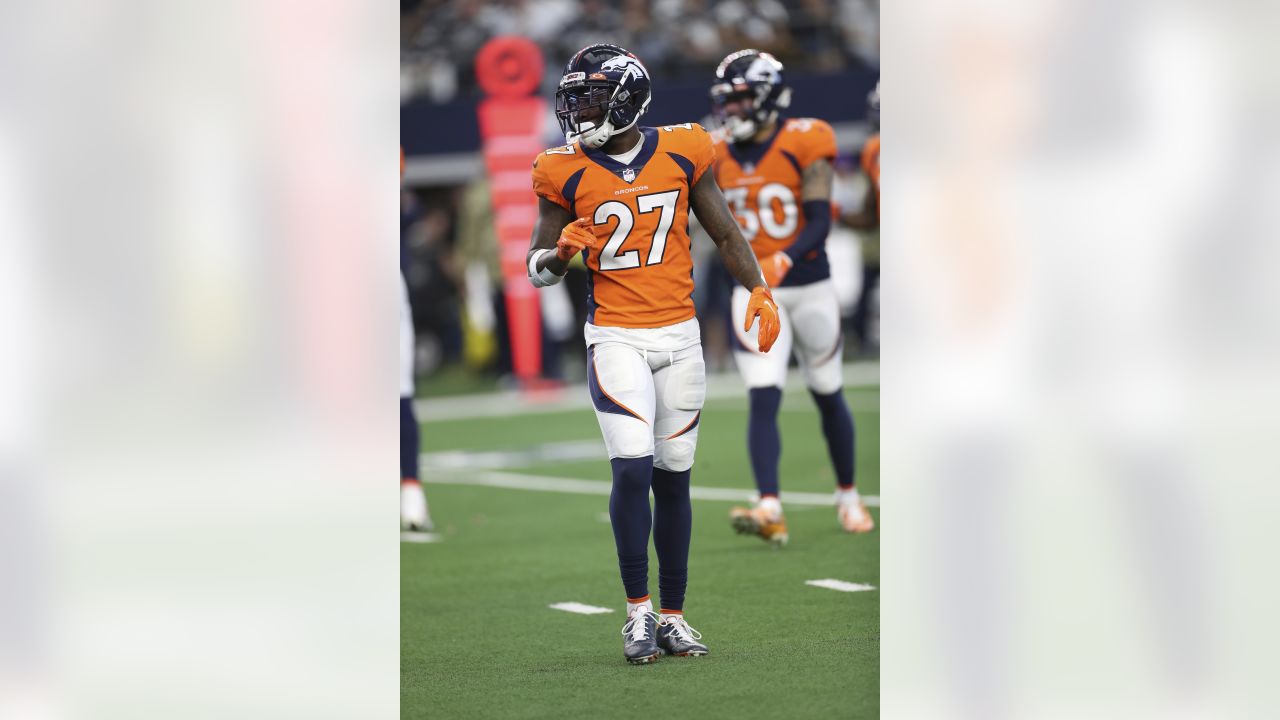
column 763, row 441
column 408, row 440
column 672, row 525
column 631, row 518
column 837, row 425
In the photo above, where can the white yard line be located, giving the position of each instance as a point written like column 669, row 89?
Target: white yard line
column 840, row 585
column 568, row 451
column 544, row 483
column 580, row 608
column 514, row 402
column 419, row 537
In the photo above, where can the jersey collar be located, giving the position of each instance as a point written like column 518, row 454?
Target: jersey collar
column 749, row 155
column 647, row 148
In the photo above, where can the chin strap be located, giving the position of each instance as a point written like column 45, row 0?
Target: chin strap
column 741, row 128
column 593, row 138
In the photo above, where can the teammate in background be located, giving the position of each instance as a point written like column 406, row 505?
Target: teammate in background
column 776, row 175
column 621, row 195
column 868, row 218
column 413, row 502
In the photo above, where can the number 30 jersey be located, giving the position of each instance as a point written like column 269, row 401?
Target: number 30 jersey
column 642, row 276
column 762, row 184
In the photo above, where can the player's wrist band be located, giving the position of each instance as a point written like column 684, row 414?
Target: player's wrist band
column 543, row 277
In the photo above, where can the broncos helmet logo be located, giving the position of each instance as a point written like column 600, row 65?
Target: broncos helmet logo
column 763, row 68
column 629, row 66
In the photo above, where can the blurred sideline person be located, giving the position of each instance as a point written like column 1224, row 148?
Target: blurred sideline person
column 413, row 502
column 621, row 195
column 777, row 176
column 868, row 218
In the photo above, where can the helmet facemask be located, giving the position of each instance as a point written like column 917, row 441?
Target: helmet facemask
column 743, row 110
column 588, row 111
column 738, row 109
column 583, row 111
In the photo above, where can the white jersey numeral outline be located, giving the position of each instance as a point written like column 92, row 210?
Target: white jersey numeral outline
column 769, row 219
column 610, row 258
column 763, row 216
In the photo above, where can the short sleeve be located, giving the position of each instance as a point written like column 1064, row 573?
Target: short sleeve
column 542, row 183
column 703, row 151
column 817, row 140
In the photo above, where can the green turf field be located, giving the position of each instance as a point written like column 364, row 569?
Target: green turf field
column 478, row 639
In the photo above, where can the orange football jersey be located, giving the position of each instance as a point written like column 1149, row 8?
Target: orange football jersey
column 642, row 275
column 762, row 183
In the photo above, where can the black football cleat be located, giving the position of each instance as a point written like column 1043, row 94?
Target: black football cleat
column 640, row 645
column 675, row 637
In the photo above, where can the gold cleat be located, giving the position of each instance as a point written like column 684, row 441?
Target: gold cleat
column 854, row 518
column 760, row 522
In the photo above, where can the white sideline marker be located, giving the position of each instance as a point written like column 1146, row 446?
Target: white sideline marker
column 580, row 608
column 840, row 585
column 419, row 537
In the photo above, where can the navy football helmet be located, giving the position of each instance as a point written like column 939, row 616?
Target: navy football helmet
column 748, row 93
column 604, row 91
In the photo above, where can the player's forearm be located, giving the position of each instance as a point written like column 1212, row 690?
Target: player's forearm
column 713, row 213
column 734, row 250
column 544, row 266
column 815, row 194
column 741, row 262
column 817, row 225
column 549, row 260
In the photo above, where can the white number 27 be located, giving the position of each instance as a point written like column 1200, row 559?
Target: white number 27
column 610, row 257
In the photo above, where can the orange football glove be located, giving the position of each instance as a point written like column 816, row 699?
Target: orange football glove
column 761, row 305
column 775, row 268
column 576, row 237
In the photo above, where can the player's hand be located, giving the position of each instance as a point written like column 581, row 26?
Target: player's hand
column 761, row 305
column 775, row 268
column 576, row 237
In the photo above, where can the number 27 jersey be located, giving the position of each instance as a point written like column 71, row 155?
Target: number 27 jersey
column 642, row 276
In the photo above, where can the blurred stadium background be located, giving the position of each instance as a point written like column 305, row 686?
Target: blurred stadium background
column 450, row 247
column 514, row 467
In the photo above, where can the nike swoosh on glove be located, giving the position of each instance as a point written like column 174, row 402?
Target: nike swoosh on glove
column 761, row 305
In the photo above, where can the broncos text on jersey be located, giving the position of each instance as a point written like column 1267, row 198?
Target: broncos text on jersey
column 642, row 276
column 763, row 183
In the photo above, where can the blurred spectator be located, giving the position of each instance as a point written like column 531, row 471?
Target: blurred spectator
column 434, row 280
column 759, row 24
column 596, row 21
column 485, row 338
column 818, row 37
column 675, row 38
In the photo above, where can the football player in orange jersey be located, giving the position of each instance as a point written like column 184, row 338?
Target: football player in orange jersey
column 621, row 195
column 868, row 218
column 776, row 174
